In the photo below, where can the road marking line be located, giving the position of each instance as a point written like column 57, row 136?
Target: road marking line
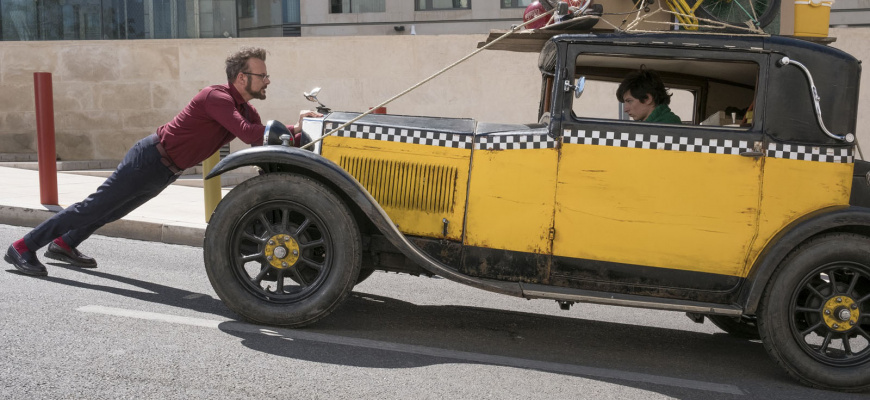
column 291, row 334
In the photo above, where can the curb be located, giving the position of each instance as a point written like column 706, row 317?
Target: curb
column 123, row 228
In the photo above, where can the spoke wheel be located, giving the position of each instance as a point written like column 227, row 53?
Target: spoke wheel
column 757, row 13
column 814, row 318
column 282, row 249
column 826, row 317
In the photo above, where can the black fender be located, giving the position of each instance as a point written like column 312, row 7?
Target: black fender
column 840, row 218
column 329, row 173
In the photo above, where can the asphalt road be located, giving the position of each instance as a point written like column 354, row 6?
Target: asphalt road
column 146, row 324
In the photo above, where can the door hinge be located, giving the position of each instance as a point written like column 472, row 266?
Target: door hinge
column 552, row 234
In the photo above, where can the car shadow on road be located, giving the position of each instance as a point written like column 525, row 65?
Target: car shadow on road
column 378, row 332
column 371, row 331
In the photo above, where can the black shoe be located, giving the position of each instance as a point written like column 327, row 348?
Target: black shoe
column 73, row 256
column 26, row 263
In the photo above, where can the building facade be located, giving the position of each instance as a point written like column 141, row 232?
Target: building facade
column 850, row 13
column 27, row 20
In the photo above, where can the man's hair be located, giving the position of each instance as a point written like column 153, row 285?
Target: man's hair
column 642, row 83
column 238, row 61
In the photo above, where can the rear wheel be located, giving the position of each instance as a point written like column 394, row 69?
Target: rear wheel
column 282, row 249
column 758, row 13
column 814, row 317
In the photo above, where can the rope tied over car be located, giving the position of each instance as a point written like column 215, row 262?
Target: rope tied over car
column 433, row 76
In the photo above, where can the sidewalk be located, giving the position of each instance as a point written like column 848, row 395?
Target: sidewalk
column 176, row 216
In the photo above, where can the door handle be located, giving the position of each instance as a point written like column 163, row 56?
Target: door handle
column 755, row 152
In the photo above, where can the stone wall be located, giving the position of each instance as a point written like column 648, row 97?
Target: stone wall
column 109, row 94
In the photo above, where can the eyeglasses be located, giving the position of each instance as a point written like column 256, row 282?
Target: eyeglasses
column 262, row 76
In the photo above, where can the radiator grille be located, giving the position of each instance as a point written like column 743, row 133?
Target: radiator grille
column 405, row 185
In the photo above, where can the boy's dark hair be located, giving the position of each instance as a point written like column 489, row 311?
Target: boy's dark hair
column 641, row 83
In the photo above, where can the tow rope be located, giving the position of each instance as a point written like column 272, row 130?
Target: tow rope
column 445, row 69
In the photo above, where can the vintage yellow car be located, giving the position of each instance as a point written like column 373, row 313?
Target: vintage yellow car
column 753, row 213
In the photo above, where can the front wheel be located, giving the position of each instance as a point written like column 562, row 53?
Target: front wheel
column 755, row 13
column 282, row 249
column 814, row 317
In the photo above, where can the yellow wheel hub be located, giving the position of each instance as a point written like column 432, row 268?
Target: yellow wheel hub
column 282, row 251
column 841, row 313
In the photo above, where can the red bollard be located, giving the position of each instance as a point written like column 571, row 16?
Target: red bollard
column 46, row 152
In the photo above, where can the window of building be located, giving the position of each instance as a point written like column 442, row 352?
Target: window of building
column 425, row 5
column 515, row 3
column 247, row 8
column 117, row 19
column 356, row 6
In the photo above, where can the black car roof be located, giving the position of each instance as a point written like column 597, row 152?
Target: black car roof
column 758, row 43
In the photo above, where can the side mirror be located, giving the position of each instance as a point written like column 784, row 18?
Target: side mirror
column 579, row 87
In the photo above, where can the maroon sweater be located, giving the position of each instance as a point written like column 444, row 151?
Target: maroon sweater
column 212, row 119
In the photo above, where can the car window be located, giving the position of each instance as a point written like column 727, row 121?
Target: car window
column 599, row 101
column 703, row 92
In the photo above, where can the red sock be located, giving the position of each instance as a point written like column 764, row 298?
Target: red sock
column 61, row 243
column 20, row 246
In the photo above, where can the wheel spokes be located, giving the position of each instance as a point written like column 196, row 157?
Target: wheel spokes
column 824, row 347
column 811, row 329
column 832, row 281
column 270, row 230
column 847, row 347
column 311, row 244
column 302, row 227
column 298, row 275
column 853, row 284
column 808, row 310
column 246, row 258
column 814, row 291
column 818, row 309
column 315, row 265
column 279, row 281
column 253, row 238
column 290, row 225
column 264, row 269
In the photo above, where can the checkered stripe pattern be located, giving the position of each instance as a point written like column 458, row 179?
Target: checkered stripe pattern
column 403, row 135
column 515, row 142
column 641, row 141
column 810, row 153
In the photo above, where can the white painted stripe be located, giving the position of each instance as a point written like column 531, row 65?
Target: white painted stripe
column 120, row 312
column 421, row 350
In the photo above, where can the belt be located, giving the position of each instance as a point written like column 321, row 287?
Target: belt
column 164, row 157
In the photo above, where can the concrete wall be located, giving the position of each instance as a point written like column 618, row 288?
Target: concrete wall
column 109, row 94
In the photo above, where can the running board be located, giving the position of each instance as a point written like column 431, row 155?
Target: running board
column 536, row 291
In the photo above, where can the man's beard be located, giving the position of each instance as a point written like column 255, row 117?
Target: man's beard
column 257, row 95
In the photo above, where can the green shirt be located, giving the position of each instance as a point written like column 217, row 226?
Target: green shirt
column 662, row 113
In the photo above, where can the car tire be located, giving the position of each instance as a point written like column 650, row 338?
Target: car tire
column 741, row 327
column 292, row 229
column 813, row 316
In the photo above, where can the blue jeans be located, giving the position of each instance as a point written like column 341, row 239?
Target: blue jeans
column 140, row 177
